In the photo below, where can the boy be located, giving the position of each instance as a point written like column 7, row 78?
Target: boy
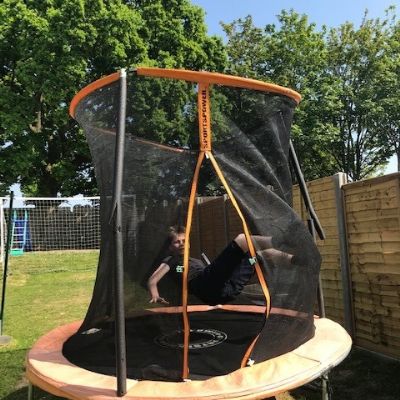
column 220, row 281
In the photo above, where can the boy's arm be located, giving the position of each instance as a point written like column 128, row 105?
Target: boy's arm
column 157, row 275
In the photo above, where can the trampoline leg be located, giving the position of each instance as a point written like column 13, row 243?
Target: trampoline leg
column 30, row 391
column 326, row 394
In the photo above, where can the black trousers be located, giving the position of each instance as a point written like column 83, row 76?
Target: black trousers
column 224, row 278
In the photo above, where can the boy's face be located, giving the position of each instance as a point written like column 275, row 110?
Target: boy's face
column 177, row 245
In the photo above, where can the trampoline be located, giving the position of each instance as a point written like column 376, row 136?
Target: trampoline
column 48, row 369
column 162, row 142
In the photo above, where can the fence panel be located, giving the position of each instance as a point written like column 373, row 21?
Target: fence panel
column 212, row 225
column 373, row 224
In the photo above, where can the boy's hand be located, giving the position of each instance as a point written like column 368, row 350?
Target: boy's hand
column 158, row 299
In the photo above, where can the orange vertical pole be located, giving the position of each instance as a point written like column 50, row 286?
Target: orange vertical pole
column 203, row 105
column 186, row 324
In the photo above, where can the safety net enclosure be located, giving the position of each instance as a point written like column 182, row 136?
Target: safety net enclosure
column 181, row 135
column 162, row 141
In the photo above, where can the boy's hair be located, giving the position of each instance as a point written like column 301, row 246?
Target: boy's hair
column 173, row 231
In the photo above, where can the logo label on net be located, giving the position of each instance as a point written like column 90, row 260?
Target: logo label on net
column 204, row 119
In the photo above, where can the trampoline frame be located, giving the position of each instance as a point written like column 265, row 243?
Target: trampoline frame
column 47, row 368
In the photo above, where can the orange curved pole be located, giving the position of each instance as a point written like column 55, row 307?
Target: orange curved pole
column 204, row 77
column 218, row 79
column 106, row 80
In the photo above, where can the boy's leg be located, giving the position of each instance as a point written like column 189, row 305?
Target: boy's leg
column 209, row 285
column 277, row 257
column 267, row 249
column 239, row 278
column 261, row 242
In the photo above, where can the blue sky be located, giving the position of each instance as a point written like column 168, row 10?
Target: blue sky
column 328, row 12
column 321, row 12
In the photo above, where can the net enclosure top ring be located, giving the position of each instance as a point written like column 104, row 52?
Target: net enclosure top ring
column 211, row 78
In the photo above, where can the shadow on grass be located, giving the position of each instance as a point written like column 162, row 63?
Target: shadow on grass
column 38, row 394
column 13, row 383
column 363, row 375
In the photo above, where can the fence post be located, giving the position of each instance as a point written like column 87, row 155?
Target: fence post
column 339, row 180
column 2, row 242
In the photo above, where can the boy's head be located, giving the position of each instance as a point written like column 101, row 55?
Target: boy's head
column 176, row 239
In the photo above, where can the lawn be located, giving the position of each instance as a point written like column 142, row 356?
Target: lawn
column 48, row 289
column 44, row 290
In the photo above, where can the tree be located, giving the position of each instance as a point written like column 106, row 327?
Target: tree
column 57, row 47
column 348, row 119
column 294, row 56
column 176, row 35
column 362, row 63
column 388, row 109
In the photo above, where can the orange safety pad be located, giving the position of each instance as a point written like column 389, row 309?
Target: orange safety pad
column 47, row 368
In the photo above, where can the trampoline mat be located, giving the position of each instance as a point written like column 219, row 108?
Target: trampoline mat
column 218, row 341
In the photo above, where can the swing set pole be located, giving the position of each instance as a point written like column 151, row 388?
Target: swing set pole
column 314, row 225
column 6, row 339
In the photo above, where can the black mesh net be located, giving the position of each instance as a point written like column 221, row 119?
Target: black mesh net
column 250, row 143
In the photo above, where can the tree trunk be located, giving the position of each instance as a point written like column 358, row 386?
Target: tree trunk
column 398, row 159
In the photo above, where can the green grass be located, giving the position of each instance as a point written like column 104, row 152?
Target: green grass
column 48, row 289
column 44, row 290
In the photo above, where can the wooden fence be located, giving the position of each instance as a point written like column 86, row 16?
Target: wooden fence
column 361, row 253
column 373, row 233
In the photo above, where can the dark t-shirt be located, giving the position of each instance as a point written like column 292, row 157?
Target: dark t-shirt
column 217, row 283
column 175, row 264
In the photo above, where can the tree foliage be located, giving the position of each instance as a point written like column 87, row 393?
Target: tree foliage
column 388, row 109
column 49, row 50
column 293, row 55
column 348, row 118
column 361, row 62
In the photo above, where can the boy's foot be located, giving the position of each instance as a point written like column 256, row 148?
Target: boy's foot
column 277, row 257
